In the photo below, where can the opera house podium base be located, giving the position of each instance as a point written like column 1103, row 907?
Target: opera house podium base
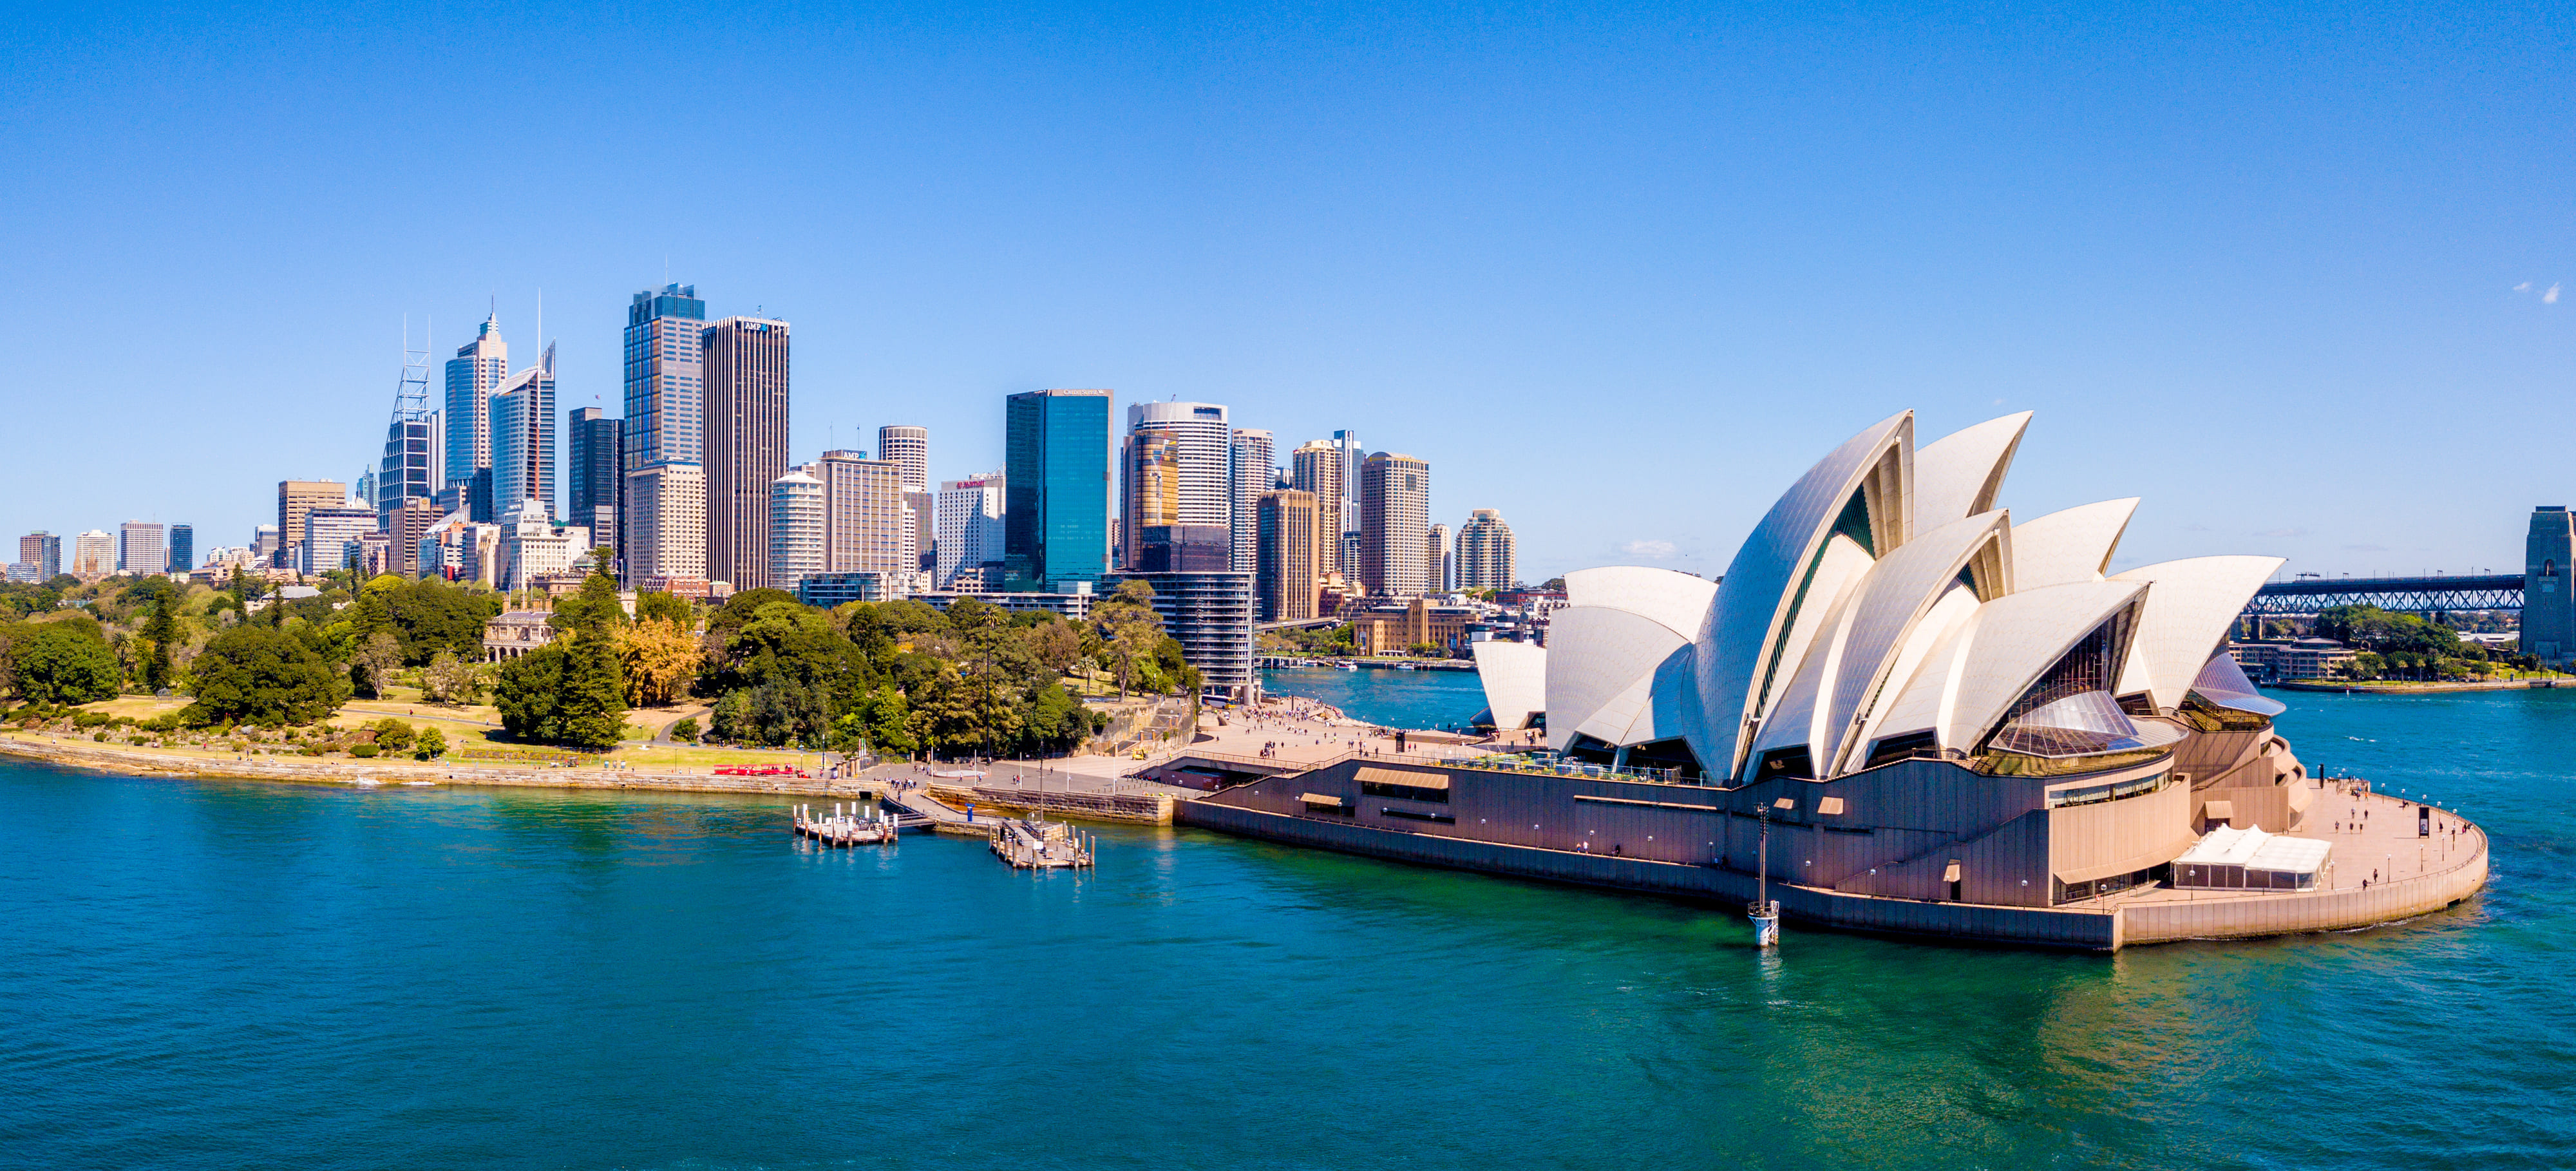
column 1647, row 838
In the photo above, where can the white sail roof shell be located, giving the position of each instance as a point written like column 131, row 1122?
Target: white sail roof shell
column 1679, row 601
column 1851, row 657
column 2069, row 545
column 1752, row 609
column 1971, row 679
column 1960, row 475
column 1595, row 654
column 1515, row 679
column 2188, row 612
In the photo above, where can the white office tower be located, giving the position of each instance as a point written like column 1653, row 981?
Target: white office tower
column 970, row 526
column 1254, row 474
column 1204, row 445
column 795, row 529
column 666, row 524
column 1354, row 457
column 907, row 448
column 533, row 548
column 141, row 547
column 94, row 554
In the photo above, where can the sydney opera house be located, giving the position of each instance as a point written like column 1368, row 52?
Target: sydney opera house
column 1942, row 719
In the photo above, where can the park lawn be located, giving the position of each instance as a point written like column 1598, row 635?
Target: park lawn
column 141, row 707
column 663, row 756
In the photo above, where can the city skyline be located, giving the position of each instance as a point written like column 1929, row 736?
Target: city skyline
column 1484, row 243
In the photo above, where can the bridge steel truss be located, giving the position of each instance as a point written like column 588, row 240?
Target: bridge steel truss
column 2416, row 595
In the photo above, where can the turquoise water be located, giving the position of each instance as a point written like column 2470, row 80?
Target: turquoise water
column 1395, row 699
column 218, row 975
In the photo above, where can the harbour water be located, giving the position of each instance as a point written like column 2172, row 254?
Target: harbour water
column 1385, row 696
column 216, row 975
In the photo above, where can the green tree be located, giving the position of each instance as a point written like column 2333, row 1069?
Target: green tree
column 448, row 679
column 430, row 744
column 373, row 663
column 1129, row 629
column 65, row 662
column 261, row 675
column 594, row 612
column 659, row 606
column 392, row 734
column 163, row 633
column 567, row 693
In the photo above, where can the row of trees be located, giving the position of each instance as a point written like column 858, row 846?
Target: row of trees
column 2408, row 646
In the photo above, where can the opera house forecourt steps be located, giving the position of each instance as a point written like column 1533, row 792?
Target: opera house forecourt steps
column 1944, row 721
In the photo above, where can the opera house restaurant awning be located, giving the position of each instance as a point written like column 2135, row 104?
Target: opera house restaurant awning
column 2250, row 859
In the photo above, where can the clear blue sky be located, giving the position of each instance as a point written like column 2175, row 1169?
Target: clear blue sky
column 1618, row 271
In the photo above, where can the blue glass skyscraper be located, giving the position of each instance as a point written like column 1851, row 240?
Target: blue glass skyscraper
column 474, row 375
column 1055, row 519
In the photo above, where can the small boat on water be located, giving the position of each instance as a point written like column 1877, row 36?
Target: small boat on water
column 1348, row 666
column 1404, row 667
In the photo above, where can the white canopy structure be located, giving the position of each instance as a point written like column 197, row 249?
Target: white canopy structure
column 2250, row 859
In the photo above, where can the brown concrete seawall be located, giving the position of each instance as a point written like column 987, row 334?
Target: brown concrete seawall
column 2092, row 930
column 2232, row 915
column 328, row 771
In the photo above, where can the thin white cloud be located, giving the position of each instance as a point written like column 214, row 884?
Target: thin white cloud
column 2550, row 297
column 1652, row 550
column 2524, row 287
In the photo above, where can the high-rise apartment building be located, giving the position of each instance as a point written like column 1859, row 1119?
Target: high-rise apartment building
column 1487, row 557
column 44, row 551
column 183, row 549
column 969, row 528
column 746, row 361
column 523, row 438
column 1056, row 522
column 866, row 526
column 1438, row 564
column 1395, row 525
column 907, row 448
column 94, row 554
column 1254, row 473
column 141, row 547
column 1353, row 498
column 1285, row 584
column 473, row 376
column 1316, row 467
column 795, row 530
column 591, row 465
column 666, row 523
column 1188, row 451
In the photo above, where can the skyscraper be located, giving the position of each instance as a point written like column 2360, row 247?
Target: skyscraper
column 1200, row 452
column 478, row 369
column 141, row 547
column 183, row 549
column 406, row 525
column 665, row 423
column 295, row 500
column 1354, row 499
column 1487, row 558
column 866, row 528
column 523, row 438
column 1438, row 566
column 666, row 524
column 1150, row 480
column 591, row 465
column 1285, row 585
column 44, row 551
column 1253, row 474
column 1395, row 525
column 404, row 473
column 795, row 529
column 94, row 554
column 1316, row 467
column 907, row 448
column 1056, row 524
column 665, row 376
column 746, row 443
column 970, row 527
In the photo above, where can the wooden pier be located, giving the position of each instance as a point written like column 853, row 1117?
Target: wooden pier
column 846, row 829
column 1041, row 845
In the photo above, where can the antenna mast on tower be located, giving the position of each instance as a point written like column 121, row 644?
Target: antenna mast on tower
column 411, row 395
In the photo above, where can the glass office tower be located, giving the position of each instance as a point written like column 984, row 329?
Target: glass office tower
column 1056, row 514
